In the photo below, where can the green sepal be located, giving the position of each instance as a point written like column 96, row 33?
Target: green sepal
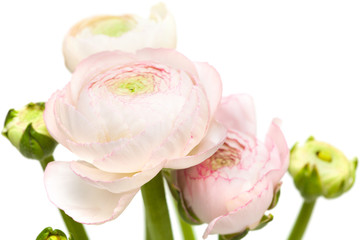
column 308, row 182
column 35, row 145
column 12, row 113
column 264, row 221
column 234, row 236
column 185, row 212
column 50, row 234
column 276, row 197
column 294, row 147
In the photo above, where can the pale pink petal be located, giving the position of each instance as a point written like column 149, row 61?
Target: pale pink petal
column 276, row 139
column 81, row 200
column 237, row 112
column 211, row 82
column 114, row 182
column 133, row 154
column 75, row 123
column 168, row 57
column 249, row 211
column 188, row 129
column 214, row 138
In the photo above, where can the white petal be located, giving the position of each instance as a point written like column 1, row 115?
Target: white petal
column 51, row 122
column 114, row 182
column 80, row 200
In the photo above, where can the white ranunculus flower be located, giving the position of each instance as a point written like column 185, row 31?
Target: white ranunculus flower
column 126, row 33
column 127, row 116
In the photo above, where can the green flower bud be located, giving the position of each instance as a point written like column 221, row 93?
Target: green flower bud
column 320, row 169
column 50, row 234
column 26, row 130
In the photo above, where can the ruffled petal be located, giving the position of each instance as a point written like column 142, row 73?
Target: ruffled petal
column 211, row 82
column 94, row 65
column 133, row 154
column 114, row 182
column 214, row 138
column 188, row 128
column 51, row 122
column 237, row 112
column 250, row 207
column 170, row 58
column 82, row 201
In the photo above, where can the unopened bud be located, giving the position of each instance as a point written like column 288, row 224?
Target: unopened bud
column 50, row 234
column 320, row 169
column 26, row 130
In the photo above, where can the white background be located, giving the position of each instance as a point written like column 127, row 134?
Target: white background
column 298, row 59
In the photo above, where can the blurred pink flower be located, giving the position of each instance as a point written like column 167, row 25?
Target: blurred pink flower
column 127, row 116
column 232, row 189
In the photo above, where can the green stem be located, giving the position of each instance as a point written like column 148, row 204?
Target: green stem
column 302, row 220
column 187, row 230
column 156, row 210
column 76, row 229
column 44, row 162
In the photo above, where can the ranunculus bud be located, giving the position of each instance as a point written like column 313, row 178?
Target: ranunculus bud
column 50, row 234
column 320, row 169
column 127, row 33
column 26, row 130
column 233, row 188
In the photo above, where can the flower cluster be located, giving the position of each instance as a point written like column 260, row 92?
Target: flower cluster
column 135, row 106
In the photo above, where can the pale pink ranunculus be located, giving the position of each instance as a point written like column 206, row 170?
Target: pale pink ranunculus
column 127, row 33
column 232, row 189
column 127, row 116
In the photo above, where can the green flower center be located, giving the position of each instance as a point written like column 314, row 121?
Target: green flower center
column 113, row 26
column 133, row 85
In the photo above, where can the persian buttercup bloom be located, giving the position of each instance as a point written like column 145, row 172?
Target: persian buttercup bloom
column 232, row 189
column 127, row 33
column 127, row 116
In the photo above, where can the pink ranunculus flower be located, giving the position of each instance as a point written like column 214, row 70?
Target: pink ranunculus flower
column 127, row 33
column 127, row 116
column 232, row 189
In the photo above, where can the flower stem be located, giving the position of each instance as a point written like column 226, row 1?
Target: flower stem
column 302, row 220
column 76, row 229
column 187, row 230
column 156, row 211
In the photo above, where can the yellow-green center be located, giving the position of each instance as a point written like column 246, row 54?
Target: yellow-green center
column 324, row 155
column 217, row 163
column 133, row 86
column 113, row 27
